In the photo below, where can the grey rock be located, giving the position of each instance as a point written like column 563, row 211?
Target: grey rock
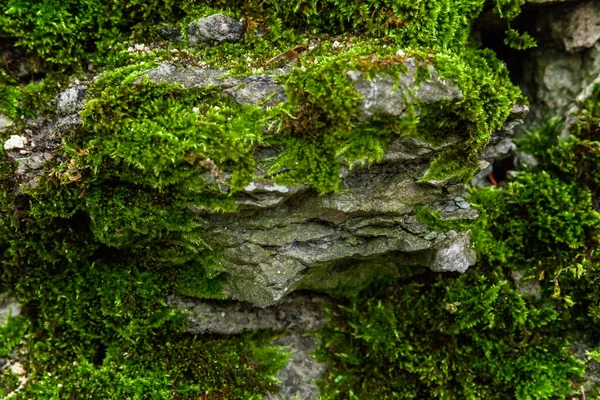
column 298, row 377
column 481, row 178
column 71, row 100
column 253, row 90
column 33, row 148
column 383, row 96
column 576, row 26
column 171, row 33
column 285, row 238
column 5, row 122
column 15, row 142
column 305, row 239
column 527, row 286
column 554, row 78
column 216, row 28
column 188, row 77
column 296, row 313
column 591, row 378
column 500, row 150
column 525, row 159
column 454, row 255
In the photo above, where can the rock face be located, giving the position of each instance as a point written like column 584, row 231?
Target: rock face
column 285, row 238
column 296, row 313
column 216, row 28
column 304, row 240
column 385, row 97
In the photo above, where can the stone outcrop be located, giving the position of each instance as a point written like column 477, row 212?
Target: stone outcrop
column 285, row 238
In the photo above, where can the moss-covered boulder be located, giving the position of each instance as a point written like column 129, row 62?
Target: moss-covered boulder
column 160, row 158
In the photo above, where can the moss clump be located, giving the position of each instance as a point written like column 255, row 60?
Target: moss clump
column 466, row 337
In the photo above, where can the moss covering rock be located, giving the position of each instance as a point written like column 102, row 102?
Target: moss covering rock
column 245, row 150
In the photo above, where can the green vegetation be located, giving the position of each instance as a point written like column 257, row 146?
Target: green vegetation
column 116, row 224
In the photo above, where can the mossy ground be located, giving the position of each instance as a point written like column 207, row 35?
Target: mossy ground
column 93, row 251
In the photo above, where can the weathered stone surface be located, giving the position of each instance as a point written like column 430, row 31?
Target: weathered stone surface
column 271, row 251
column 591, row 377
column 575, row 26
column 501, row 145
column 8, row 308
column 216, row 28
column 248, row 90
column 528, row 286
column 296, row 313
column 15, row 142
column 71, row 100
column 453, row 255
column 31, row 150
column 5, row 122
column 565, row 62
column 384, row 96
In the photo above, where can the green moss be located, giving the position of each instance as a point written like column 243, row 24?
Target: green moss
column 453, row 164
column 434, row 221
column 11, row 334
column 8, row 382
column 466, row 337
column 545, row 222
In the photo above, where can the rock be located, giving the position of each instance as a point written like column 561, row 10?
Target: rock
column 591, row 377
column 556, row 78
column 216, row 28
column 305, row 240
column 15, row 142
column 576, row 26
column 31, row 150
column 296, row 313
column 71, row 100
column 383, row 96
column 5, row 122
column 298, row 377
column 284, row 238
column 171, row 33
column 526, row 286
column 253, row 90
column 453, row 255
column 8, row 308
